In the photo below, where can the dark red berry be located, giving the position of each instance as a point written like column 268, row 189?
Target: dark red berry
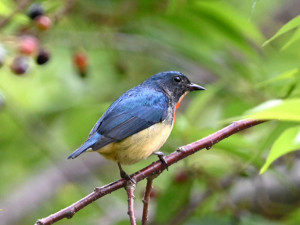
column 154, row 193
column 43, row 22
column 42, row 57
column 181, row 177
column 35, row 10
column 28, row 45
column 20, row 65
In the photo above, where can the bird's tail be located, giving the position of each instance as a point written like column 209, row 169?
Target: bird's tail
column 86, row 145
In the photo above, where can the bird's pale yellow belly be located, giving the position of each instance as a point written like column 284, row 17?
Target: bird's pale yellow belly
column 138, row 146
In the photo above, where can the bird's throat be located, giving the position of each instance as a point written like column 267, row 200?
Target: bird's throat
column 178, row 105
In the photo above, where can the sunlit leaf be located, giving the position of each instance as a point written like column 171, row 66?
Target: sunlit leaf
column 288, row 141
column 6, row 7
column 288, row 110
column 292, row 24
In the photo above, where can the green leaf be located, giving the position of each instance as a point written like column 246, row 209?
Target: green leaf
column 288, row 141
column 293, row 39
column 284, row 76
column 288, row 110
column 292, row 24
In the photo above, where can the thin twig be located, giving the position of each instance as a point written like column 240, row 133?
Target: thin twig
column 146, row 200
column 21, row 6
column 63, row 11
column 130, row 188
column 155, row 168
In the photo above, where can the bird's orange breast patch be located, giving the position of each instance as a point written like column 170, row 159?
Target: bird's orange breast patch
column 178, row 105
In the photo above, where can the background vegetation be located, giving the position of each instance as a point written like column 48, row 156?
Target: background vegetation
column 48, row 112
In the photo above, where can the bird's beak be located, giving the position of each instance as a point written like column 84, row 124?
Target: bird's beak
column 195, row 87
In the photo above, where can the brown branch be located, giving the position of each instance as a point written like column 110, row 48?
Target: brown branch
column 146, row 199
column 130, row 188
column 21, row 6
column 155, row 168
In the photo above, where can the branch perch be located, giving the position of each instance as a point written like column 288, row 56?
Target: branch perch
column 130, row 188
column 146, row 199
column 153, row 169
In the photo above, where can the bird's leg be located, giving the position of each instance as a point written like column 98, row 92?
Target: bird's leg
column 161, row 157
column 124, row 175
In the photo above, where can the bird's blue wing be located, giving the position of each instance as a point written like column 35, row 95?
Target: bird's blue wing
column 134, row 111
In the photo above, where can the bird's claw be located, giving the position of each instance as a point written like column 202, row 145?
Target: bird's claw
column 161, row 157
column 127, row 177
column 124, row 175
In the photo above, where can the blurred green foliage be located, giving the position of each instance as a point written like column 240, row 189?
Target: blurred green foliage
column 226, row 46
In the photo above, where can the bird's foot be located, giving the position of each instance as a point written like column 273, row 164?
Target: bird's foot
column 127, row 177
column 124, row 175
column 161, row 157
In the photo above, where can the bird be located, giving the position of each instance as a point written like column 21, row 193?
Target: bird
column 140, row 121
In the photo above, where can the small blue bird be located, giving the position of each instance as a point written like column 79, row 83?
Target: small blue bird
column 139, row 122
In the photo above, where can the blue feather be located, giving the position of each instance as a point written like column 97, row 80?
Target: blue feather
column 86, row 145
column 136, row 110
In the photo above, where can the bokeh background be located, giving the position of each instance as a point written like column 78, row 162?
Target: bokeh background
column 48, row 112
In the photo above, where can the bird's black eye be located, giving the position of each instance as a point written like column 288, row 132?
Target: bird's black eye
column 177, row 79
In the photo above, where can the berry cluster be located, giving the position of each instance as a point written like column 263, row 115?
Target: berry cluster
column 43, row 23
column 27, row 44
column 36, row 13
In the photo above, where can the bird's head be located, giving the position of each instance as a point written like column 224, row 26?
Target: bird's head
column 174, row 83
